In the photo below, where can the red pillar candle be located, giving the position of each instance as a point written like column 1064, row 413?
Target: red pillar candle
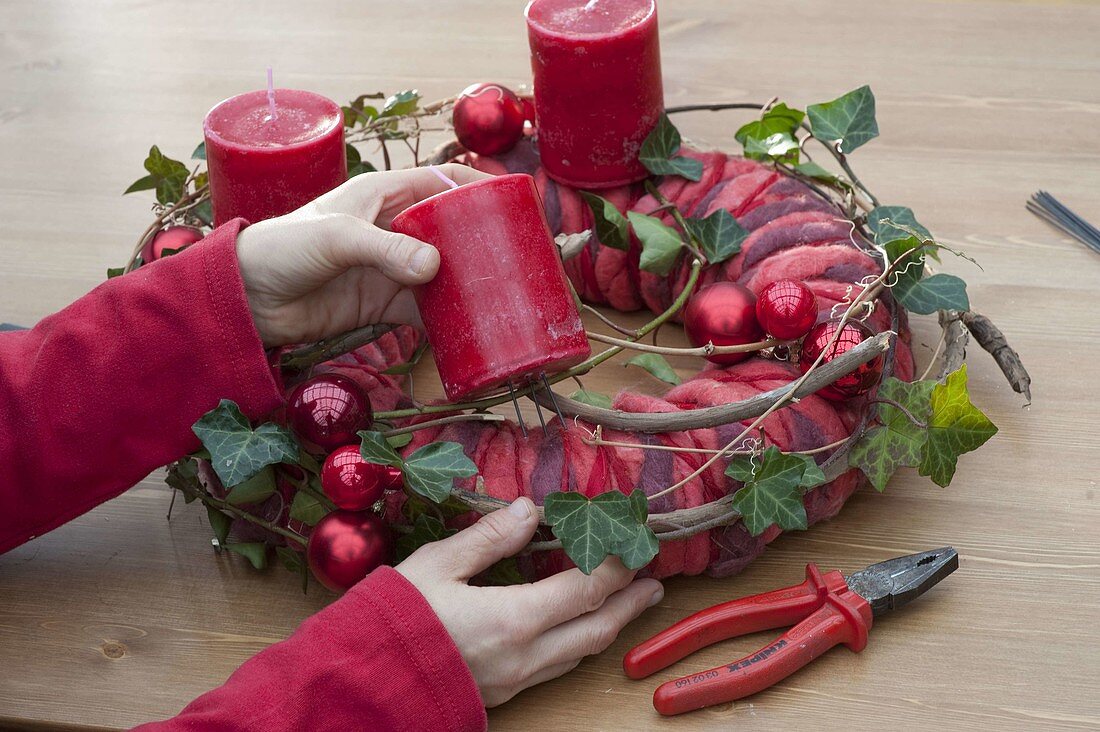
column 499, row 311
column 263, row 165
column 598, row 94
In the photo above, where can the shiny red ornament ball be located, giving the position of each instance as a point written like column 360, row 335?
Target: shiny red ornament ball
column 393, row 479
column 327, row 411
column 173, row 238
column 488, row 119
column 858, row 382
column 786, row 309
column 723, row 313
column 346, row 546
column 350, row 481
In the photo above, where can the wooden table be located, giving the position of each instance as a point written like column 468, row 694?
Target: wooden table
column 122, row 617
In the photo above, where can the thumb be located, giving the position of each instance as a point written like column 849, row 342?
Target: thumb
column 353, row 242
column 495, row 536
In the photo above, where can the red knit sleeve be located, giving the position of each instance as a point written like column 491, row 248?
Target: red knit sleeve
column 95, row 397
column 376, row 659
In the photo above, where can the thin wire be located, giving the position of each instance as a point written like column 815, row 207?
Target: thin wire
column 519, row 415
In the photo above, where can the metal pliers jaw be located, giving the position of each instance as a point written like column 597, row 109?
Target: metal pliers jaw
column 826, row 610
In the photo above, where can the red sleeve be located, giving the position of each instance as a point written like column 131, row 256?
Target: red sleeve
column 377, row 659
column 95, row 397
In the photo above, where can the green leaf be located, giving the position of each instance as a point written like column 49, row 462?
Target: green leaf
column 656, row 365
column 238, row 452
column 773, row 136
column 590, row 529
column 658, row 153
column 899, row 442
column 200, row 152
column 431, row 471
column 956, row 427
column 660, row 244
column 204, row 212
column 256, row 489
column 639, row 549
column 810, row 169
column 113, row 272
column 307, row 509
column 812, row 474
column 591, row 397
column 290, row 559
column 376, row 449
column 169, row 190
column 399, row 441
column 145, row 183
column 401, row 104
column 927, row 295
column 848, row 120
column 719, row 235
column 885, row 222
column 426, row 529
column 220, row 523
column 772, row 491
column 254, row 552
column 162, row 166
column 612, row 228
column 503, row 574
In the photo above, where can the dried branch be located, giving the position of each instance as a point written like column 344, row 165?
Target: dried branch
column 304, row 357
column 993, row 340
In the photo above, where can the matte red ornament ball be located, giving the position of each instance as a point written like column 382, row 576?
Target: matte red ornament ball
column 346, row 546
column 488, row 119
column 723, row 313
column 172, row 239
column 858, row 382
column 350, row 481
column 786, row 309
column 327, row 411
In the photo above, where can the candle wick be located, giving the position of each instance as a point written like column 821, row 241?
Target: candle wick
column 272, row 113
column 439, row 174
column 590, row 5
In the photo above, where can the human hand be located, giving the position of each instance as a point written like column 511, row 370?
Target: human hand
column 515, row 637
column 334, row 265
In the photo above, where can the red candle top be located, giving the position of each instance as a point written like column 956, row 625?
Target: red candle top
column 245, row 120
column 579, row 18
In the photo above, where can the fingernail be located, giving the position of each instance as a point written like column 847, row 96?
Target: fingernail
column 520, row 508
column 420, row 259
column 657, row 596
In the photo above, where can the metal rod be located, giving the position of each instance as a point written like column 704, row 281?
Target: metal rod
column 553, row 399
column 538, row 411
column 519, row 415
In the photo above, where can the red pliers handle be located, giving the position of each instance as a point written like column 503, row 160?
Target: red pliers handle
column 823, row 611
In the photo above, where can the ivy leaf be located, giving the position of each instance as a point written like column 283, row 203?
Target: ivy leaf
column 927, row 295
column 810, row 169
column 256, row 489
column 238, row 452
column 307, row 509
column 898, row 442
column 848, row 120
column 772, row 494
column 658, row 153
column 376, row 449
column 401, row 104
column 113, row 272
column 638, row 550
column 812, row 474
column 719, row 235
column 145, row 183
column 503, row 574
column 290, row 559
column 885, row 223
column 254, row 552
column 956, row 427
column 426, row 529
column 591, row 397
column 431, row 471
column 657, row 366
column 399, row 441
column 204, row 212
column 778, row 120
column 220, row 523
column 168, row 176
column 780, row 146
column 660, row 244
column 356, row 164
column 199, row 152
column 590, row 529
column 612, row 228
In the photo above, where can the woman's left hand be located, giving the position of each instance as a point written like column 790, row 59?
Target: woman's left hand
column 334, row 265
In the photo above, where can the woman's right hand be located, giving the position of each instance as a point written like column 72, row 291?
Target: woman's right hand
column 515, row 637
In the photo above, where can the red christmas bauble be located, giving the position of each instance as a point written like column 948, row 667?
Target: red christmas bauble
column 350, row 481
column 345, row 547
column 786, row 309
column 488, row 119
column 860, row 381
column 172, row 238
column 326, row 412
column 724, row 314
column 392, row 480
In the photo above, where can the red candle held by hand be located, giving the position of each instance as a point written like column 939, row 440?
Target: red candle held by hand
column 499, row 311
column 598, row 92
column 264, row 165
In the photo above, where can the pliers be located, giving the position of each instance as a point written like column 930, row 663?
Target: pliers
column 826, row 610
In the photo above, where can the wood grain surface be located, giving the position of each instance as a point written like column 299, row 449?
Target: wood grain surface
column 122, row 617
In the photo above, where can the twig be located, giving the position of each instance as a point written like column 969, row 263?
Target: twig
column 192, row 197
column 993, row 340
column 304, row 357
column 608, row 322
column 474, row 417
column 707, row 350
column 901, row 408
column 598, row 441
